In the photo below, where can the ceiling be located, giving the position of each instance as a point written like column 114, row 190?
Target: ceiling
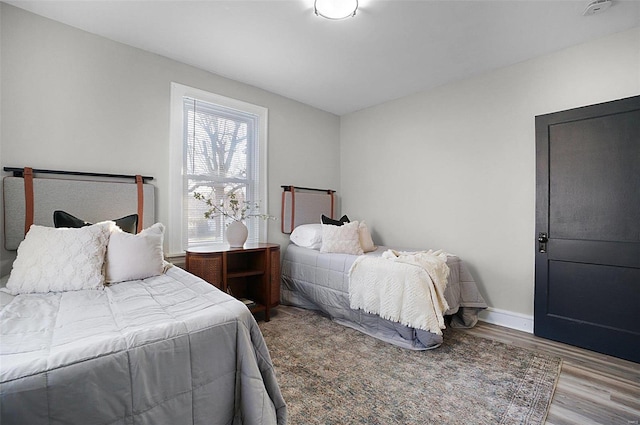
column 390, row 49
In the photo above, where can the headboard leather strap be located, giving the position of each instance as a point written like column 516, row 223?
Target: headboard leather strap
column 140, row 184
column 27, row 174
column 331, row 193
column 282, row 212
column 293, row 208
column 292, row 190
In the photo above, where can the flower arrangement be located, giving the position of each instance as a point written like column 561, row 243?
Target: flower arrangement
column 231, row 208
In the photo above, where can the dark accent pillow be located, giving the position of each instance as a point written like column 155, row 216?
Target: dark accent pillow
column 327, row 220
column 128, row 224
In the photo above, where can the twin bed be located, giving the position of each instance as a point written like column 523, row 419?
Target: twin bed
column 168, row 349
column 155, row 345
column 318, row 274
column 320, row 281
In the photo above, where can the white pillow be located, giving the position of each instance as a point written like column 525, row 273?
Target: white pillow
column 366, row 242
column 132, row 257
column 341, row 239
column 64, row 259
column 307, row 236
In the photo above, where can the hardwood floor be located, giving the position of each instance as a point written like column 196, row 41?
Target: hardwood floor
column 592, row 388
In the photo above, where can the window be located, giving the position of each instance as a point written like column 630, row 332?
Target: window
column 218, row 147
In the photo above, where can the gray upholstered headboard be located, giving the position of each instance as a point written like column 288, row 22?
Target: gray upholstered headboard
column 92, row 201
column 302, row 205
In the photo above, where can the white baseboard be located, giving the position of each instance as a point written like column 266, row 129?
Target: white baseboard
column 508, row 319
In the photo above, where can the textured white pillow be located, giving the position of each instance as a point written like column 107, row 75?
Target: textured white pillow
column 65, row 259
column 132, row 257
column 307, row 236
column 341, row 239
column 366, row 242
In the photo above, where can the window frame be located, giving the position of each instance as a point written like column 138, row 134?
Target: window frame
column 176, row 237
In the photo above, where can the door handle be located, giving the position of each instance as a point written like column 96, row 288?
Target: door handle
column 543, row 238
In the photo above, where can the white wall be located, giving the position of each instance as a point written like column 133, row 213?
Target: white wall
column 75, row 101
column 454, row 168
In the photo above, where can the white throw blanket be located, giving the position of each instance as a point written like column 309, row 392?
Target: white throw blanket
column 404, row 287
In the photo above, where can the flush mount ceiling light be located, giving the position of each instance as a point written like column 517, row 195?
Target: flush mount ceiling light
column 597, row 6
column 335, row 9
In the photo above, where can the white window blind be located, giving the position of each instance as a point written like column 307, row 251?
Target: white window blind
column 221, row 154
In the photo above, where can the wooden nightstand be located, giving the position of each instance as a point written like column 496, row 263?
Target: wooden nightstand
column 252, row 272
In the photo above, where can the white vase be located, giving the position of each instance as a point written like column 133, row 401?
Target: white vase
column 237, row 234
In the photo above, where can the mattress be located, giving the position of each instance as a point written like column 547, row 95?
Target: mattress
column 320, row 281
column 170, row 349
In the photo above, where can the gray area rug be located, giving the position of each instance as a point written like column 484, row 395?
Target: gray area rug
column 331, row 374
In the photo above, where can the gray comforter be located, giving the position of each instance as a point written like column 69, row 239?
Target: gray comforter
column 166, row 350
column 320, row 281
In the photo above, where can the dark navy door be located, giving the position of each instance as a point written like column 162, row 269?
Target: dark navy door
column 587, row 289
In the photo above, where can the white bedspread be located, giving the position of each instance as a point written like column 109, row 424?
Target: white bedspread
column 405, row 287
